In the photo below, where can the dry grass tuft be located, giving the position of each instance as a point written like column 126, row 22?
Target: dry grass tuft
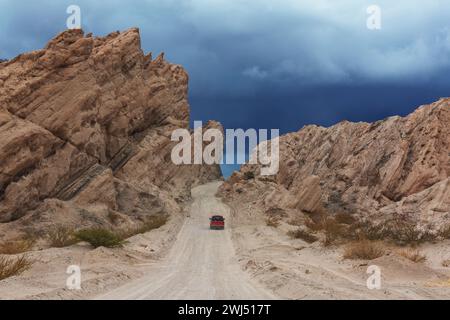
column 13, row 266
column 303, row 235
column 16, row 246
column 333, row 231
column 413, row 255
column 363, row 249
column 345, row 218
column 61, row 237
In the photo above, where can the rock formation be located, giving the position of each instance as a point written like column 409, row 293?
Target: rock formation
column 399, row 166
column 85, row 127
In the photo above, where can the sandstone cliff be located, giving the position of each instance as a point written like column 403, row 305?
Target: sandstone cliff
column 397, row 167
column 85, row 127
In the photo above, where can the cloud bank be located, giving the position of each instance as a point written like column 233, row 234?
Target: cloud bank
column 266, row 63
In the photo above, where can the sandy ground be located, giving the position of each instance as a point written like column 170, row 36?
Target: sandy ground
column 102, row 269
column 249, row 260
column 202, row 264
column 293, row 269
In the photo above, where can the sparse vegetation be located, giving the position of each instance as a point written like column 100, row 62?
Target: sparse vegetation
column 313, row 225
column 13, row 266
column 249, row 175
column 363, row 249
column 153, row 222
column 345, row 218
column 296, row 222
column 16, row 246
column 333, row 231
column 403, row 232
column 445, row 233
column 344, row 227
column 272, row 222
column 303, row 235
column 399, row 230
column 99, row 237
column 446, row 263
column 150, row 223
column 114, row 217
column 61, row 237
column 413, row 255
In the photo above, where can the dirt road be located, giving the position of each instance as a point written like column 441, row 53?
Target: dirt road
column 200, row 265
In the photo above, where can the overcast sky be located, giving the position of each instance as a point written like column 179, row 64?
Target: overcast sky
column 271, row 64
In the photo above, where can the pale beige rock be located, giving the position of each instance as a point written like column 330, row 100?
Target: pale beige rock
column 374, row 170
column 85, row 127
column 309, row 195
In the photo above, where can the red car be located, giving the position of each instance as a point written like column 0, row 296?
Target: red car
column 217, row 223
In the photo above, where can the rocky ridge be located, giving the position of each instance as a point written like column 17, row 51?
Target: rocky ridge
column 85, row 127
column 394, row 168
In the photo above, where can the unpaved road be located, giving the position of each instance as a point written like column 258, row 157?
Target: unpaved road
column 200, row 265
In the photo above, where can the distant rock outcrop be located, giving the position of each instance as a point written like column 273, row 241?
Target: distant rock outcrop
column 85, row 128
column 399, row 166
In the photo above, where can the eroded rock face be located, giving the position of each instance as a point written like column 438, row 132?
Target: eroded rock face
column 394, row 166
column 85, row 126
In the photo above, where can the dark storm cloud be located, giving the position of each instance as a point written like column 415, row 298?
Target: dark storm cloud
column 267, row 63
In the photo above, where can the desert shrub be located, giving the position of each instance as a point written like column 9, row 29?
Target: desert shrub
column 413, row 255
column 114, row 217
column 275, row 212
column 445, row 232
column 249, row 175
column 296, row 221
column 99, row 237
column 345, row 218
column 272, row 222
column 313, row 225
column 363, row 249
column 16, row 246
column 446, row 263
column 401, row 231
column 303, row 235
column 13, row 266
column 332, row 230
column 366, row 230
column 61, row 237
column 150, row 223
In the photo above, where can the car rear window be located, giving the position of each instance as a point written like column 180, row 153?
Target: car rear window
column 217, row 218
